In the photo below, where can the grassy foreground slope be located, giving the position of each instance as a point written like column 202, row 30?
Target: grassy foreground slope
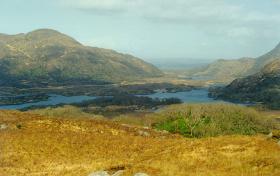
column 36, row 145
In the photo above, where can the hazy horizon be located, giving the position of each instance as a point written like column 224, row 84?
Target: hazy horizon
column 157, row 31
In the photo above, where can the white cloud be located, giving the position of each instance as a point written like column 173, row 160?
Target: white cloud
column 184, row 10
column 198, row 13
column 161, row 9
column 248, row 21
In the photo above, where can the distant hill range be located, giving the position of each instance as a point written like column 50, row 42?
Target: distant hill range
column 223, row 70
column 262, row 87
column 226, row 71
column 49, row 57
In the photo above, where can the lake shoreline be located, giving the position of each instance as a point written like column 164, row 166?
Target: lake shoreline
column 192, row 96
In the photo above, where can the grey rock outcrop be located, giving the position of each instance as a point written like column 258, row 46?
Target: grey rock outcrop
column 3, row 126
column 141, row 174
column 99, row 173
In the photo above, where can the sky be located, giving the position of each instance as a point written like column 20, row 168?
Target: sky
column 159, row 31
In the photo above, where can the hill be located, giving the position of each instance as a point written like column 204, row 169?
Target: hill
column 49, row 57
column 262, row 87
column 226, row 71
column 38, row 145
column 265, row 59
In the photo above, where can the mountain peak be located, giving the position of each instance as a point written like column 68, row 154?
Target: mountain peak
column 52, row 36
column 44, row 31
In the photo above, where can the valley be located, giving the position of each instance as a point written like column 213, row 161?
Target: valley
column 69, row 109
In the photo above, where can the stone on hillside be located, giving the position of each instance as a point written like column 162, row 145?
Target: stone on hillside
column 143, row 133
column 141, row 174
column 270, row 135
column 276, row 134
column 3, row 126
column 118, row 173
column 99, row 173
column 164, row 132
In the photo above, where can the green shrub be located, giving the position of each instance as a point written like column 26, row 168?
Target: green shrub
column 203, row 120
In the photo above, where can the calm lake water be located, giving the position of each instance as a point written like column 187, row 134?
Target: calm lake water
column 194, row 96
column 53, row 100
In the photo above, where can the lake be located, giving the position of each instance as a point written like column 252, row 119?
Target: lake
column 193, row 96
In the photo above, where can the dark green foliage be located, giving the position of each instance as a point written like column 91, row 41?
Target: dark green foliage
column 128, row 100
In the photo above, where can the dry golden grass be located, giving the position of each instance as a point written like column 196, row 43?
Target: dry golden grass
column 64, row 111
column 36, row 145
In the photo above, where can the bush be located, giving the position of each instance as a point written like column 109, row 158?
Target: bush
column 204, row 120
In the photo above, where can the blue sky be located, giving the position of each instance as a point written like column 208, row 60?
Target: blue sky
column 155, row 30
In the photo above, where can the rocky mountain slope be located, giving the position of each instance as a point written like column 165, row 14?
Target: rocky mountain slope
column 50, row 57
column 263, row 87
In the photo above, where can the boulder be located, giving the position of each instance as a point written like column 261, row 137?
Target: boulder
column 143, row 133
column 141, row 174
column 118, row 173
column 99, row 173
column 276, row 134
column 3, row 126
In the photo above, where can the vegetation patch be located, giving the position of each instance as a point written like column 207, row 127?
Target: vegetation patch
column 77, row 147
column 204, row 120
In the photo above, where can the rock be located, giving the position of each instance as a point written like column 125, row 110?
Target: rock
column 164, row 132
column 270, row 135
column 3, row 126
column 275, row 134
column 141, row 174
column 118, row 173
column 278, row 143
column 143, row 133
column 99, row 173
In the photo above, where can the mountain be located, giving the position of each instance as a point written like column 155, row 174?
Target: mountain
column 265, row 59
column 224, row 70
column 50, row 57
column 227, row 70
column 263, row 87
